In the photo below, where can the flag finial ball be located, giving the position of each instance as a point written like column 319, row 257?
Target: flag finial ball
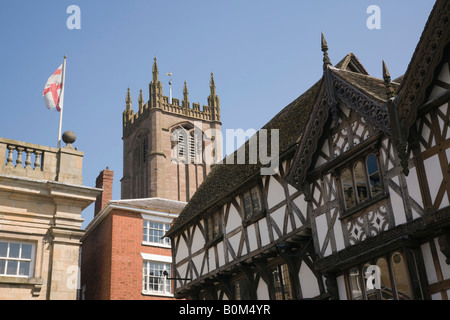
column 69, row 137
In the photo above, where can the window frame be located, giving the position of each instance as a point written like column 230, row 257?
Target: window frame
column 371, row 196
column 213, row 221
column 250, row 217
column 165, row 242
column 31, row 260
column 284, row 282
column 391, row 274
column 146, row 278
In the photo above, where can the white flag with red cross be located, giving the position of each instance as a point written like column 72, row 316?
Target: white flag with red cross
column 53, row 89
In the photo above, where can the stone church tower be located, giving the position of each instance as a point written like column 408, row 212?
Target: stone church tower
column 167, row 147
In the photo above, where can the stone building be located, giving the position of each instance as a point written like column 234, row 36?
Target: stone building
column 124, row 253
column 359, row 206
column 164, row 144
column 41, row 200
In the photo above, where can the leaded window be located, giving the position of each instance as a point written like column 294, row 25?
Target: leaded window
column 361, row 181
column 281, row 282
column 252, row 202
column 384, row 278
column 213, row 226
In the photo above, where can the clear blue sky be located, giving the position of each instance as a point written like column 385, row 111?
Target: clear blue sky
column 264, row 54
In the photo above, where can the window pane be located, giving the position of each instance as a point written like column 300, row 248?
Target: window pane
column 360, row 180
column 26, row 251
column 282, row 283
column 401, row 276
column 256, row 202
column 374, row 175
column 24, row 268
column 347, row 185
column 3, row 249
column 355, row 284
column 11, row 267
column 247, row 204
column 14, row 249
column 369, row 282
column 2, row 266
column 386, row 287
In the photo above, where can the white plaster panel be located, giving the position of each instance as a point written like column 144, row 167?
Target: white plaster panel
column 341, row 288
column 197, row 260
column 276, row 193
column 338, row 235
column 221, row 253
column 252, row 236
column 413, row 186
column 182, row 250
column 322, row 228
column 234, row 219
column 264, row 232
column 211, row 259
column 308, row 282
column 198, row 241
column 278, row 217
column 262, row 292
column 434, row 175
column 429, row 265
column 234, row 242
column 397, row 204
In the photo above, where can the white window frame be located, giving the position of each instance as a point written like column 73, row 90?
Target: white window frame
column 165, row 242
column 158, row 219
column 7, row 259
column 166, row 263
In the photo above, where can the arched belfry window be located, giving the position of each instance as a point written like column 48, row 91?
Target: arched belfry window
column 186, row 147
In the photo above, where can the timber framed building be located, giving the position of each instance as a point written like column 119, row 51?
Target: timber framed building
column 359, row 206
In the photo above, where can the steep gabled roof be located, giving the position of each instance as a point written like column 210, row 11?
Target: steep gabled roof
column 225, row 178
column 373, row 87
column 351, row 63
column 421, row 70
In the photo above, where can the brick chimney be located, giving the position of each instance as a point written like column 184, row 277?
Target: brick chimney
column 105, row 181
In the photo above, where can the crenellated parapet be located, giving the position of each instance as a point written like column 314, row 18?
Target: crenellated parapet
column 157, row 100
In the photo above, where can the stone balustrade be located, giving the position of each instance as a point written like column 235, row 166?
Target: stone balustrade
column 39, row 162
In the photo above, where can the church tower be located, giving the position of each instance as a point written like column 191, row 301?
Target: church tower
column 167, row 147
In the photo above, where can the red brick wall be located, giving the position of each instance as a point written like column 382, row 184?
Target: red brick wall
column 96, row 262
column 127, row 262
column 105, row 181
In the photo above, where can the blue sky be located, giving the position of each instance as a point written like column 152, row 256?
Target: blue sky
column 264, row 54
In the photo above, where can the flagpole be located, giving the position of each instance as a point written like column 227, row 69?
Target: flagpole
column 61, row 101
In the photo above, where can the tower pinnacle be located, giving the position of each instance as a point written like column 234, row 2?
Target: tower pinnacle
column 155, row 70
column 185, row 96
column 212, row 85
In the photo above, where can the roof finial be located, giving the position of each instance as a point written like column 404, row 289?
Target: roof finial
column 326, row 60
column 387, row 82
